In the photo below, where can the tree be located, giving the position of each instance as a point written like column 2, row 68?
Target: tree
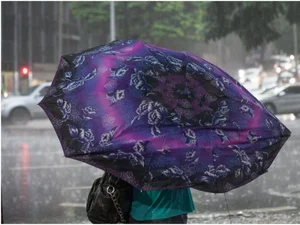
column 148, row 21
column 256, row 23
column 285, row 41
column 252, row 21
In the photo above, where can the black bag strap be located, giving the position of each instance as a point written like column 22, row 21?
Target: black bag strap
column 111, row 191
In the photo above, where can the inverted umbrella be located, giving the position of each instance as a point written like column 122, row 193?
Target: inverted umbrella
column 160, row 119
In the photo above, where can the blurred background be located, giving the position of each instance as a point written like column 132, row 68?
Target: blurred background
column 232, row 35
column 255, row 42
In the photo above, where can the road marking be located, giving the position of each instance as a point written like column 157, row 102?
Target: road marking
column 48, row 167
column 241, row 212
column 294, row 194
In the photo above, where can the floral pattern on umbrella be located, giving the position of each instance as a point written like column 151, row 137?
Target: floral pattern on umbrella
column 161, row 119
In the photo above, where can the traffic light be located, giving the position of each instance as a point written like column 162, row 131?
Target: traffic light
column 24, row 70
column 24, row 73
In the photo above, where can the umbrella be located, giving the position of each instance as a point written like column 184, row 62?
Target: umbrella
column 160, row 119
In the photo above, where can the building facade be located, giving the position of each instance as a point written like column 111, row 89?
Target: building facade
column 35, row 35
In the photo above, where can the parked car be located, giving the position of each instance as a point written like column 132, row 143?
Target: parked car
column 19, row 109
column 281, row 100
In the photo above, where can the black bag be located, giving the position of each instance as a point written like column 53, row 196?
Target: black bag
column 109, row 200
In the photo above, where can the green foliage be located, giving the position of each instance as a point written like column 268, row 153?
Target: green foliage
column 252, row 21
column 91, row 12
column 256, row 23
column 293, row 12
column 286, row 40
column 149, row 21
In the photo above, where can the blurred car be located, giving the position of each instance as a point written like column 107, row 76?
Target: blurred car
column 19, row 109
column 250, row 78
column 257, row 78
column 287, row 77
column 282, row 62
column 268, row 79
column 281, row 100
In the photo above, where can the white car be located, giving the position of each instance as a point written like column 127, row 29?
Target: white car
column 250, row 78
column 282, row 62
column 19, row 109
column 281, row 100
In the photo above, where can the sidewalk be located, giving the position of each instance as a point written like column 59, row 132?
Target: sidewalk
column 39, row 124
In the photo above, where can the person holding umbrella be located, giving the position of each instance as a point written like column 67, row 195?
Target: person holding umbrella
column 162, row 121
column 161, row 206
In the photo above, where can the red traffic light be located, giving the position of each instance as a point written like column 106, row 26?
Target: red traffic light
column 24, row 71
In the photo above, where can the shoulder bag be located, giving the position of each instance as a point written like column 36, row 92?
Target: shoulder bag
column 109, row 200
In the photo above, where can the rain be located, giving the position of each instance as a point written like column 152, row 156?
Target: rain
column 40, row 185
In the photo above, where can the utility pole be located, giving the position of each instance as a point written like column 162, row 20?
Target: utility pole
column 90, row 41
column 126, row 27
column 43, row 37
column 55, row 32
column 30, row 43
column 60, row 28
column 16, row 61
column 220, row 44
column 296, row 46
column 112, row 21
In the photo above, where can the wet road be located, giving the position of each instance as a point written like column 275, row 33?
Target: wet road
column 40, row 185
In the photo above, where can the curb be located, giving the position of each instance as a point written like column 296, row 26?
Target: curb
column 30, row 129
column 31, row 125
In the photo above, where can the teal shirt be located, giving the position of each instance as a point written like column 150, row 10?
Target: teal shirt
column 161, row 204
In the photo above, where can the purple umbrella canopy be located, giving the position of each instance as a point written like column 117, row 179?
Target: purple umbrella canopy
column 160, row 119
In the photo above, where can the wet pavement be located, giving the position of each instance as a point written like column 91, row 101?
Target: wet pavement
column 40, row 185
column 291, row 217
